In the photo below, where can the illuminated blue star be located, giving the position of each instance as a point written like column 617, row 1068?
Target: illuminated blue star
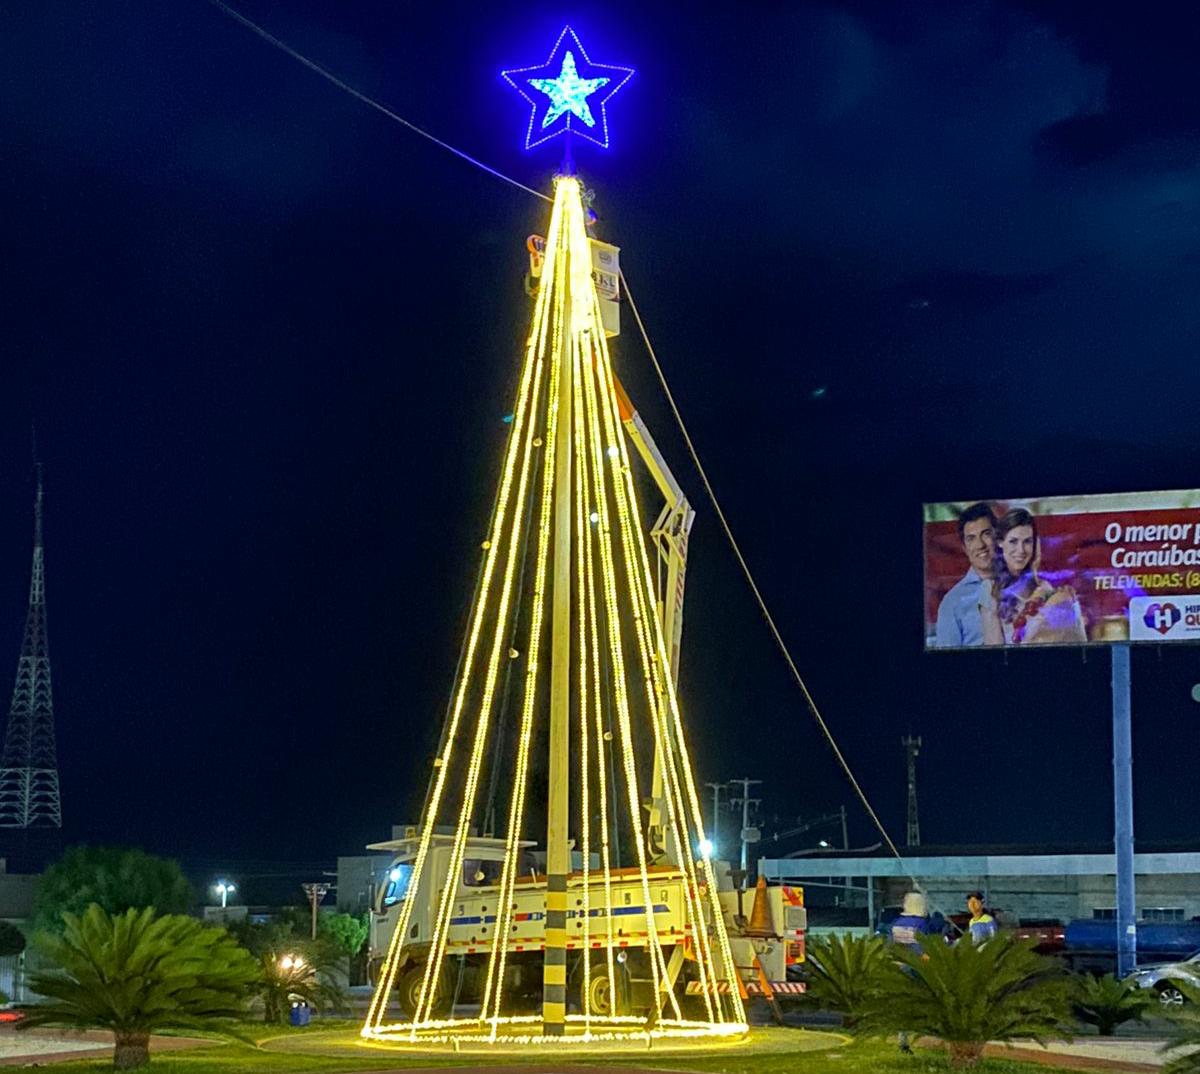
column 568, row 92
column 560, row 93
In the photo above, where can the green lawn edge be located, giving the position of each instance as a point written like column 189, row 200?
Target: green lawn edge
column 236, row 1057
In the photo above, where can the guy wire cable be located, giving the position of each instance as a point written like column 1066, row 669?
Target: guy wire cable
column 712, row 497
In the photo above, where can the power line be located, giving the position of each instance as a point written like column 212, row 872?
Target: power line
column 329, row 76
column 774, row 629
column 762, row 604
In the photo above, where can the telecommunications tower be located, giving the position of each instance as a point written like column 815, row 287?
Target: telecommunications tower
column 912, row 747
column 29, row 797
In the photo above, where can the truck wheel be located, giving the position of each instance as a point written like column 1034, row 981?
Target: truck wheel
column 1170, row 996
column 606, row 996
column 408, row 992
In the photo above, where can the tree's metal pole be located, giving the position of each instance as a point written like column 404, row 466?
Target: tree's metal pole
column 558, row 854
column 1123, row 811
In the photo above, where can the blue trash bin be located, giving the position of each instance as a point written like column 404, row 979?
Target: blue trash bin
column 301, row 1014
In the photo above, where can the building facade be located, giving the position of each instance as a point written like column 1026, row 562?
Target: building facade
column 1025, row 884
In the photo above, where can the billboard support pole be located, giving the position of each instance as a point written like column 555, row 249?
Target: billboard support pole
column 1123, row 811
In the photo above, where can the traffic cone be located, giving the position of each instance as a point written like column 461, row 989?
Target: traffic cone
column 760, row 916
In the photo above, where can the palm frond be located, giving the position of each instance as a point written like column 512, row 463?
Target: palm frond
column 137, row 973
column 844, row 973
column 969, row 994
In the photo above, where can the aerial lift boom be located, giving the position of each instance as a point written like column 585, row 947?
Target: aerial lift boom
column 670, row 536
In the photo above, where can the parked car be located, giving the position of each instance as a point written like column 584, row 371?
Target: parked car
column 1164, row 978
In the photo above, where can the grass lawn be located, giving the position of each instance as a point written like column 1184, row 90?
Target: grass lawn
column 859, row 1057
column 291, row 1053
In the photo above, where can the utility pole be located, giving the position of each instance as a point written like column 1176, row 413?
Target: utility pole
column 717, row 790
column 912, row 747
column 558, row 796
column 315, row 893
column 748, row 835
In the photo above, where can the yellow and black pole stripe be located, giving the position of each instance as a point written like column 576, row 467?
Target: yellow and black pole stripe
column 554, row 974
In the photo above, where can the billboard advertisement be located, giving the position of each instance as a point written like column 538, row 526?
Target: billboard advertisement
column 1063, row 570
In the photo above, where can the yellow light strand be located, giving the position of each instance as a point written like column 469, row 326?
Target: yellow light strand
column 598, row 713
column 735, row 1002
column 585, row 822
column 643, row 605
column 568, row 263
column 378, row 1004
column 495, row 980
column 704, row 953
column 433, row 964
column 585, row 291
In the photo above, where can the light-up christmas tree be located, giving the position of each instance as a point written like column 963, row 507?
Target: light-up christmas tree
column 618, row 931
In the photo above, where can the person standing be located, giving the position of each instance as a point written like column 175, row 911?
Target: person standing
column 982, row 926
column 959, row 620
column 907, row 929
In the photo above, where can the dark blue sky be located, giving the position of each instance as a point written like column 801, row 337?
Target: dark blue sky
column 887, row 253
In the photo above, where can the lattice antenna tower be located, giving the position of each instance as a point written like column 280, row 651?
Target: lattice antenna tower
column 29, row 792
column 912, row 747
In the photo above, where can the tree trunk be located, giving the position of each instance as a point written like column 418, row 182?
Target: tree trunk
column 965, row 1053
column 131, row 1050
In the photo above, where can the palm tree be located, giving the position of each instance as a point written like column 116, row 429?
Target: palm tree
column 135, row 973
column 845, row 973
column 1105, row 1002
column 967, row 995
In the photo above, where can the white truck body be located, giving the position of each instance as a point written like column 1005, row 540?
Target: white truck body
column 762, row 960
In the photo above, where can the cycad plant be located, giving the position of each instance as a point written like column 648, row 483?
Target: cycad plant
column 135, row 973
column 299, row 973
column 967, row 995
column 1184, row 1033
column 1105, row 1002
column 293, row 968
column 845, row 973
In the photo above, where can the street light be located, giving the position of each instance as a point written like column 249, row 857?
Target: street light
column 706, row 849
column 224, row 888
column 291, row 962
column 824, row 844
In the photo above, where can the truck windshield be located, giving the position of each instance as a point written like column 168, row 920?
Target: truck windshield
column 395, row 884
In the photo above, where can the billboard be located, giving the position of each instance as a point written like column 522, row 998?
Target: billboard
column 1063, row 570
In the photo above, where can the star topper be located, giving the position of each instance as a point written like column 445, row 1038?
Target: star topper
column 568, row 92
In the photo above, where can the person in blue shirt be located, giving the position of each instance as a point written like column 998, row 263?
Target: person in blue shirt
column 959, row 622
column 912, row 923
column 982, row 926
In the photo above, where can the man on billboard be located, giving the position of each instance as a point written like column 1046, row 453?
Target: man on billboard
column 959, row 621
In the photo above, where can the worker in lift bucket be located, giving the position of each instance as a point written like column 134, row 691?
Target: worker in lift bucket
column 982, row 926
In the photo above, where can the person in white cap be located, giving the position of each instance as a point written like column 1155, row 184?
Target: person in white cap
column 907, row 929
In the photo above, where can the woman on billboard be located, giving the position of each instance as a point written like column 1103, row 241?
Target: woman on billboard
column 1021, row 607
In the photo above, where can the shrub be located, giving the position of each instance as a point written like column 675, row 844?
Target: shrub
column 1184, row 1033
column 845, row 972
column 1106, row 1002
column 967, row 995
column 115, row 878
column 135, row 973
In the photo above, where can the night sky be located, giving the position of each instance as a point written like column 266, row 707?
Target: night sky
column 888, row 254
